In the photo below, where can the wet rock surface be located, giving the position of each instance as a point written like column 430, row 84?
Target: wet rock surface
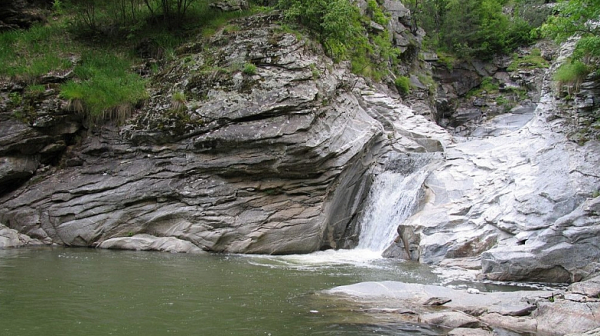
column 516, row 191
column 145, row 242
column 483, row 313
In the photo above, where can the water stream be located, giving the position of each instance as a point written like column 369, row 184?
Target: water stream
column 61, row 291
column 392, row 199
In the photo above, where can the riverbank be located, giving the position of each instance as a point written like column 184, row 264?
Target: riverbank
column 471, row 312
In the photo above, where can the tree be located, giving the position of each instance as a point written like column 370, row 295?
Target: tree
column 577, row 17
column 96, row 15
column 470, row 28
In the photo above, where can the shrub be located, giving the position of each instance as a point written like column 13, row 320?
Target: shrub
column 249, row 69
column 402, row 84
column 376, row 13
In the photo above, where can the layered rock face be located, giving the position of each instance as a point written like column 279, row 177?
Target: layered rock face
column 253, row 142
column 517, row 192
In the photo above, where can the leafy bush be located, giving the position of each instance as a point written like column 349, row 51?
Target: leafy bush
column 376, row 13
column 402, row 84
column 574, row 18
column 99, row 16
column 341, row 30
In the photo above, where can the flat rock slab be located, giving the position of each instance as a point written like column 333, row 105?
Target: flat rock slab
column 521, row 324
column 540, row 312
column 564, row 316
column 469, row 332
column 450, row 319
column 507, row 303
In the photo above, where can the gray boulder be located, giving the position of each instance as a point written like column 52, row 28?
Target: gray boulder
column 589, row 287
column 11, row 238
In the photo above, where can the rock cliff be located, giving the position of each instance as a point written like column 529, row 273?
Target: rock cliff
column 254, row 142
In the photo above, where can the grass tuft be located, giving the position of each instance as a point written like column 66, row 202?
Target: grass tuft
column 402, row 84
column 104, row 88
column 572, row 73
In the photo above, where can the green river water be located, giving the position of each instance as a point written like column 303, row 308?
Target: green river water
column 61, row 291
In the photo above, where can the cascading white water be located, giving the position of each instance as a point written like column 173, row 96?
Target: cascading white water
column 391, row 201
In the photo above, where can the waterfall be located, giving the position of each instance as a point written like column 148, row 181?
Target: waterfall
column 392, row 199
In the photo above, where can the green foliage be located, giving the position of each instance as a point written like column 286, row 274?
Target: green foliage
column 470, row 28
column 36, row 89
column 447, row 59
column 15, row 98
column 489, row 85
column 571, row 73
column 28, row 54
column 104, row 87
column 575, row 18
column 402, row 84
column 503, row 101
column 376, row 13
column 315, row 72
column 337, row 23
column 532, row 61
column 249, row 69
column 341, row 30
column 534, row 12
column 101, row 16
column 57, row 6
column 428, row 81
column 178, row 100
column 588, row 47
column 179, row 96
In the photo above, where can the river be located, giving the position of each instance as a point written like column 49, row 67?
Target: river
column 62, row 291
